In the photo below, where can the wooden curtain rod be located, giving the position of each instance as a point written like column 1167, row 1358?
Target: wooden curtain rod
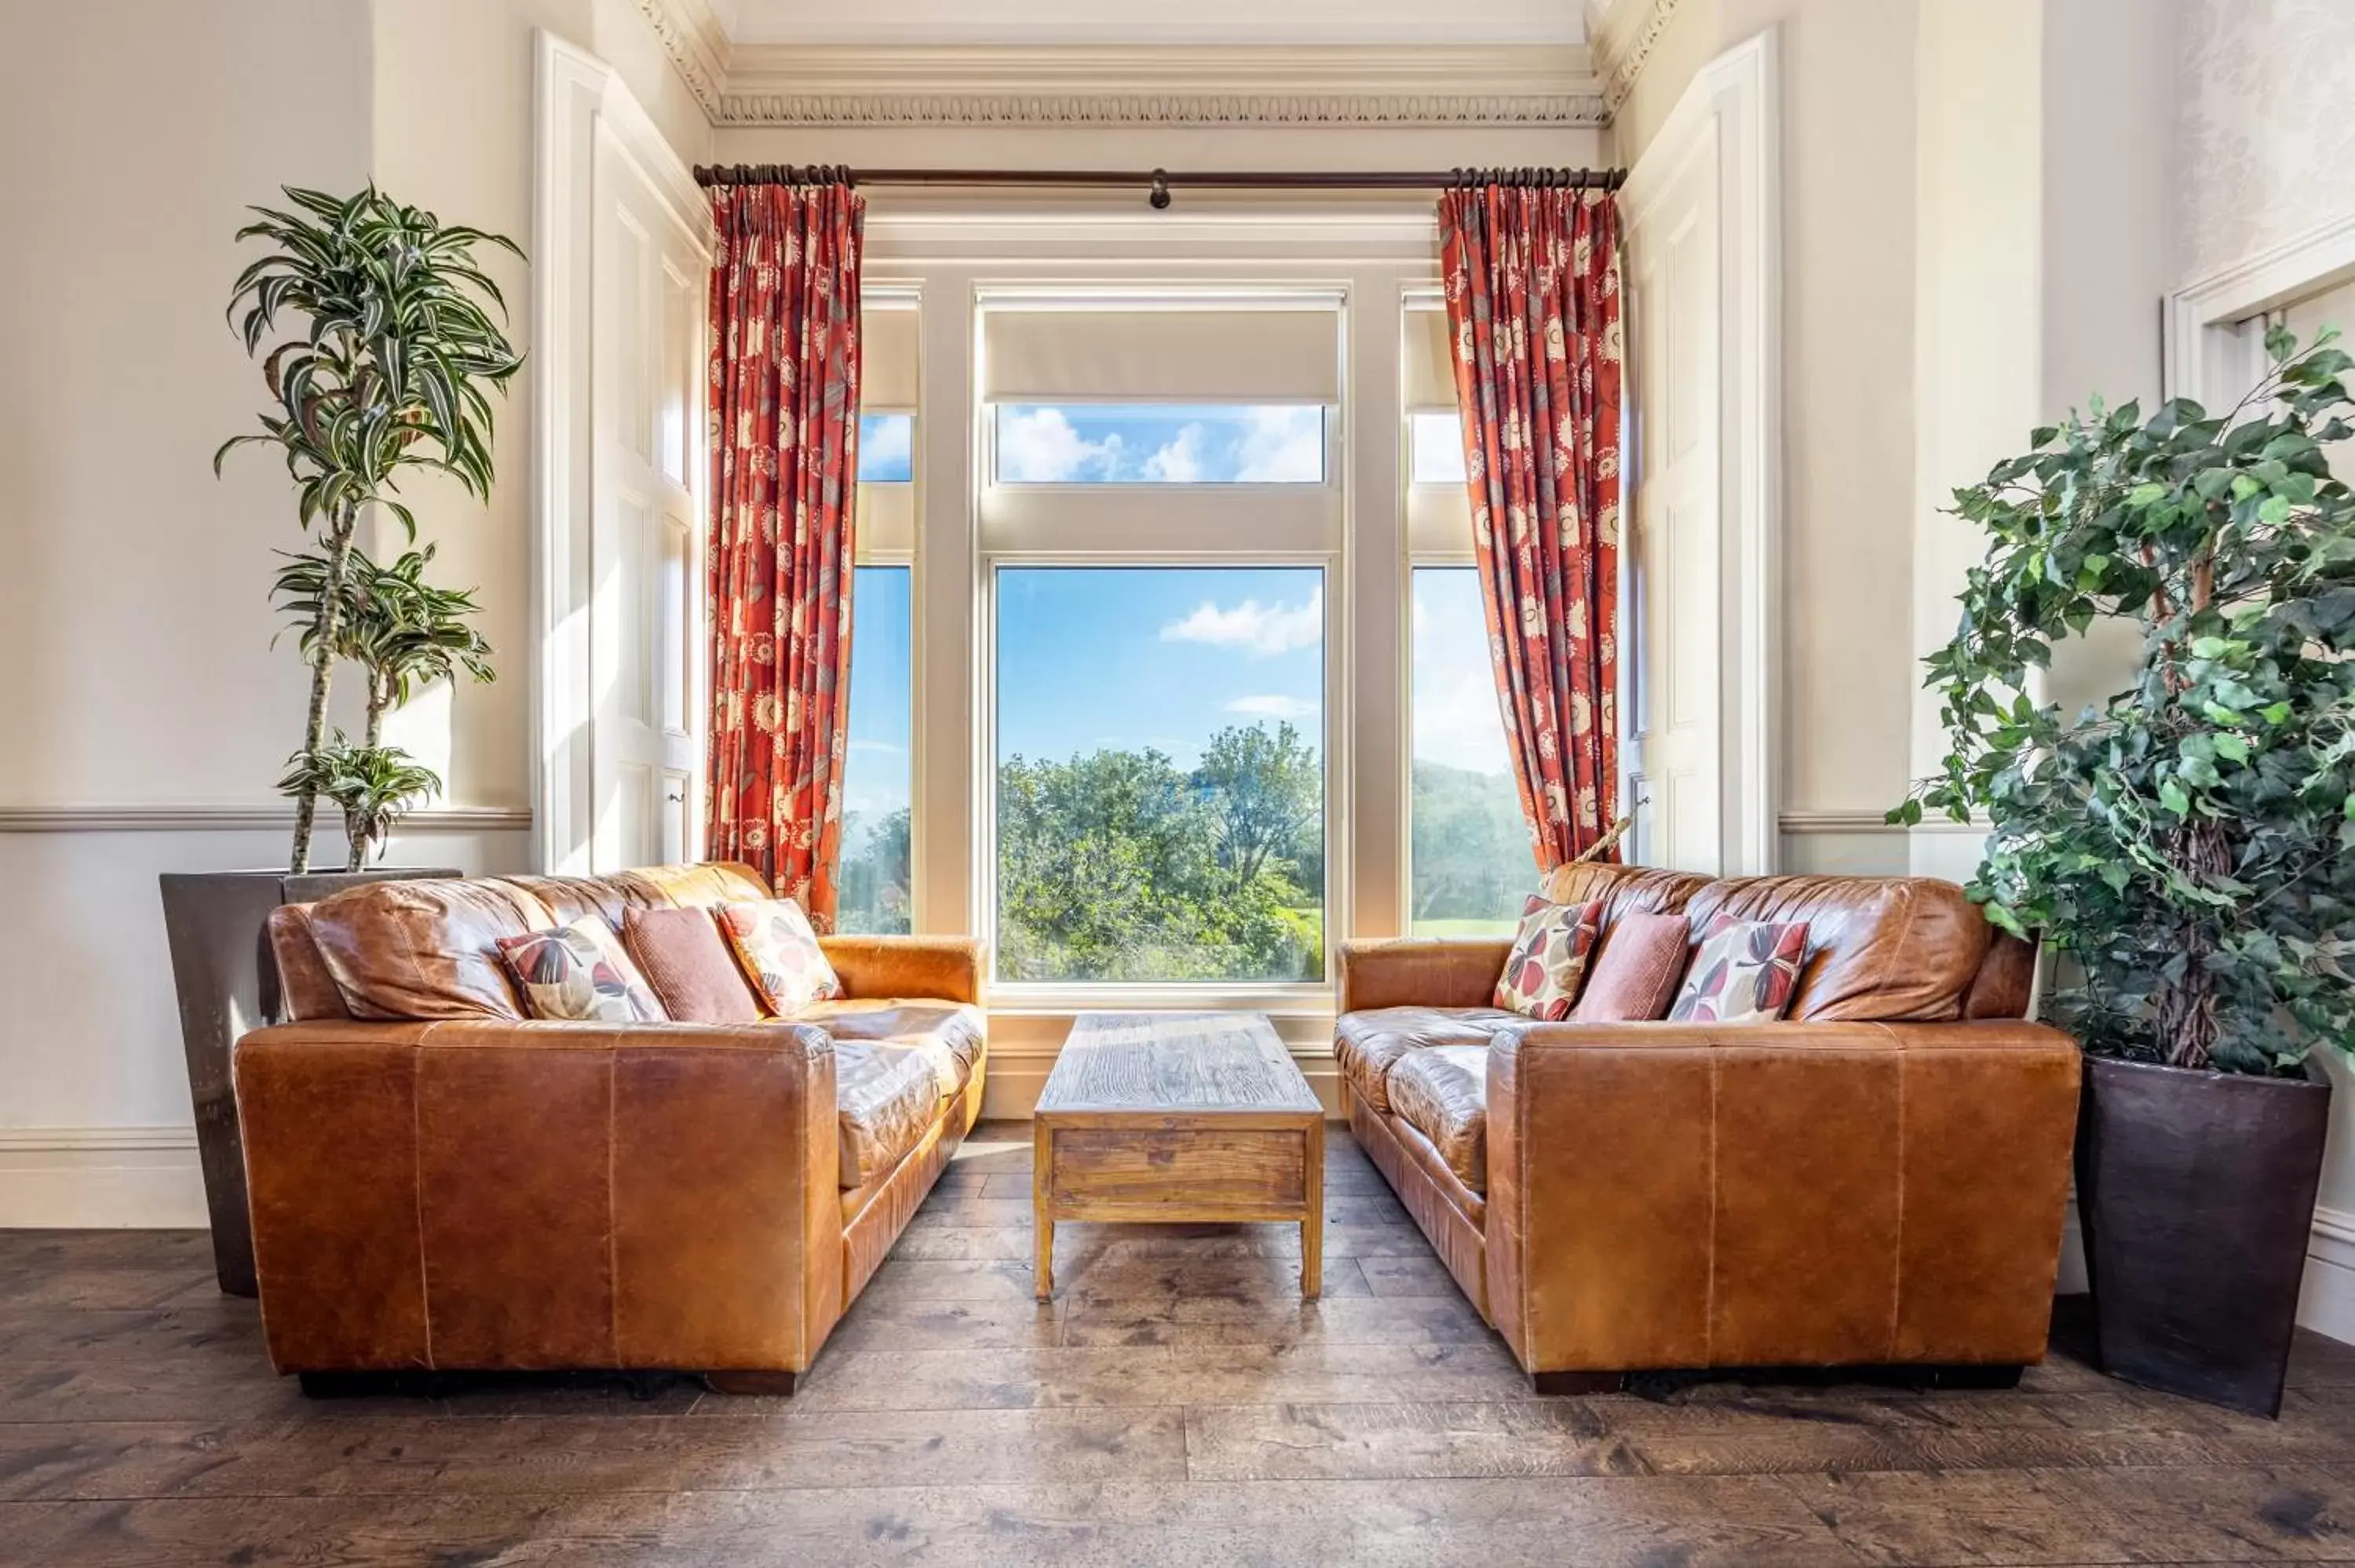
column 1159, row 182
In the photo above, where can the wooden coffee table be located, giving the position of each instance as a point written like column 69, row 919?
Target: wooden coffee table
column 1178, row 1118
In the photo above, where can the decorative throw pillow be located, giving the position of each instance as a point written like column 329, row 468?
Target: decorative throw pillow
column 774, row 943
column 1745, row 973
column 687, row 963
column 1549, row 958
column 579, row 974
column 1633, row 976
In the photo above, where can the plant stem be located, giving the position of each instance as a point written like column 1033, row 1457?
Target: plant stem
column 322, row 665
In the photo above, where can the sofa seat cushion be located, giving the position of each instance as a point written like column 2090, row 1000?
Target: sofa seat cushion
column 947, row 1035
column 884, row 1099
column 1368, row 1042
column 1442, row 1092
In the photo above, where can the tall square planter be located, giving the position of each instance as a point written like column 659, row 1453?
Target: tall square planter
column 217, row 925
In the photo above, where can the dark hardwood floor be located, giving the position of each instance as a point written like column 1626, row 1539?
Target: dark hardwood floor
column 1177, row 1403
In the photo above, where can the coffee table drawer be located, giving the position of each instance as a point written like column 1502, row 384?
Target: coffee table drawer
column 1108, row 1172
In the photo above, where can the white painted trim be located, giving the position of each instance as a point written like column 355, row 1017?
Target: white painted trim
column 1735, row 102
column 1622, row 34
column 1420, row 84
column 2212, row 354
column 101, row 1178
column 241, row 819
column 1843, row 822
column 2327, row 1303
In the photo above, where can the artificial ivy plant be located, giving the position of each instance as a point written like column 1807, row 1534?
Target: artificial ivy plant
column 2190, row 843
column 386, row 368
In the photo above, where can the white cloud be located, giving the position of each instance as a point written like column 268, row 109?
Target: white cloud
column 1180, row 460
column 1040, row 447
column 1260, row 630
column 1272, row 707
column 888, row 445
column 1282, row 445
column 1456, row 719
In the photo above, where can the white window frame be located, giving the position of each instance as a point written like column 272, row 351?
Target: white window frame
column 1202, row 526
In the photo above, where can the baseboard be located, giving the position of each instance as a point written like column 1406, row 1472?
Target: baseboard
column 101, row 1178
column 2327, row 1306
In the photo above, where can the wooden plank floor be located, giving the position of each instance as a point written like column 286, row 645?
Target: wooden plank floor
column 1177, row 1403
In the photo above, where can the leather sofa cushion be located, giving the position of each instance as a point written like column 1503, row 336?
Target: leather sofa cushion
column 884, row 1099
column 947, row 1035
column 1442, row 1092
column 1624, row 889
column 425, row 949
column 1635, row 977
column 687, row 961
column 1881, row 949
column 1367, row 1043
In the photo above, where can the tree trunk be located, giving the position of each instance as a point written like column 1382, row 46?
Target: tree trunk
column 2187, row 1007
column 323, row 664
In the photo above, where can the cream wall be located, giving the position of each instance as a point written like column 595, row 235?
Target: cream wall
column 146, row 715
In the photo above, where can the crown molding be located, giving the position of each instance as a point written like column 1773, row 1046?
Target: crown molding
column 1152, row 84
column 1623, row 33
column 690, row 34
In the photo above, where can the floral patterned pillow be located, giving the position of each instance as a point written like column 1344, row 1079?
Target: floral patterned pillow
column 1745, row 973
column 774, row 943
column 1549, row 959
column 578, row 975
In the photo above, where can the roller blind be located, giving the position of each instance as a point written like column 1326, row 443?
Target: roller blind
column 1430, row 361
column 1128, row 355
column 887, row 358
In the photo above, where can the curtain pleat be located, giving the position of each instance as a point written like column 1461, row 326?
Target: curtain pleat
column 784, row 406
column 1532, row 282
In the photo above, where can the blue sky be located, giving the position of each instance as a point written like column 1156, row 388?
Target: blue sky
column 1097, row 658
column 875, row 775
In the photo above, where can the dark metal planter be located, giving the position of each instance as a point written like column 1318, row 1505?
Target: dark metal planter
column 2195, row 1191
column 228, row 984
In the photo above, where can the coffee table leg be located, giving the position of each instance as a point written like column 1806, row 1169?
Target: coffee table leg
column 1042, row 1165
column 1312, row 1224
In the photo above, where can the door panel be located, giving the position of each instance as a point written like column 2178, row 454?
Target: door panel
column 1676, row 757
column 645, row 633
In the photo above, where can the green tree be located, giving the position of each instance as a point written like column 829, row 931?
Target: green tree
column 1268, row 791
column 1470, row 847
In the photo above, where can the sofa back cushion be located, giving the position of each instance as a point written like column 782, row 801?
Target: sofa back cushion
column 430, row 950
column 1624, row 889
column 1881, row 949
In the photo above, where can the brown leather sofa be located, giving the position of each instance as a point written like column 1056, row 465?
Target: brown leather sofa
column 1875, row 1181
column 438, row 1183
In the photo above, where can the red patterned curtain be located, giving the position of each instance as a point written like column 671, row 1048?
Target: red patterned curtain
column 784, row 462
column 1532, row 277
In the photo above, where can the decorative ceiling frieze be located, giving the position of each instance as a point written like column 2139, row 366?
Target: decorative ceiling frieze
column 1623, row 33
column 1102, row 85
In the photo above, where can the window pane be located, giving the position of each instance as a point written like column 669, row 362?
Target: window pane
column 876, row 773
column 1089, row 444
column 1435, row 447
column 1160, row 774
column 1468, row 852
column 886, row 449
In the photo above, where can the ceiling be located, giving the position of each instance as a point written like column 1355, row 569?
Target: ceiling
column 1244, row 22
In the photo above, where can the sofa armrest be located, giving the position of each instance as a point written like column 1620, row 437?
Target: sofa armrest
column 948, row 969
column 484, row 1194
column 1666, row 1195
column 1421, row 972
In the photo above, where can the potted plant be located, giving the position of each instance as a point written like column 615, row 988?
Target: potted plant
column 379, row 346
column 2183, row 848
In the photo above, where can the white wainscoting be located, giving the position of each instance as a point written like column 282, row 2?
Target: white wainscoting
column 95, row 1125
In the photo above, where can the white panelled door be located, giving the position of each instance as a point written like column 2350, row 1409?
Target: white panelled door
column 645, row 555
column 1675, row 760
column 1703, row 303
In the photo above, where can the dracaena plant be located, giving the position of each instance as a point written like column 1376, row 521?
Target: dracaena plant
column 383, row 343
column 2189, row 844
column 374, row 786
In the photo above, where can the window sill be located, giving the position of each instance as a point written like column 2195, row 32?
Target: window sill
column 1029, row 999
